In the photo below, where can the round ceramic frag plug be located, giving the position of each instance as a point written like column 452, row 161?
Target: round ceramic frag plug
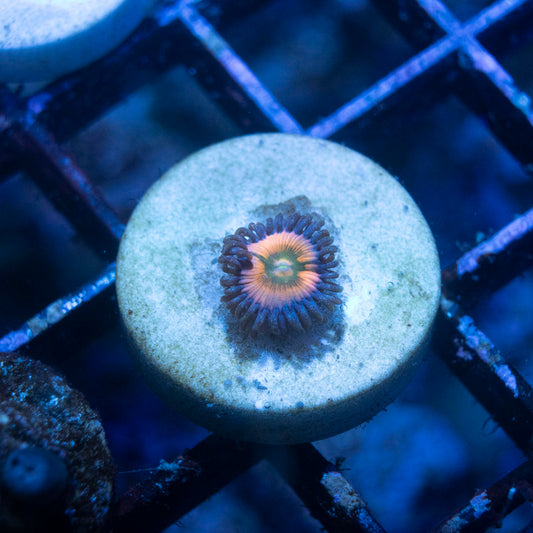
column 42, row 40
column 289, row 379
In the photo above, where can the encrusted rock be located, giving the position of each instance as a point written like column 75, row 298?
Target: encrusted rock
column 56, row 471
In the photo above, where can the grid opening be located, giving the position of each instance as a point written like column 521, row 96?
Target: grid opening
column 43, row 258
column 314, row 58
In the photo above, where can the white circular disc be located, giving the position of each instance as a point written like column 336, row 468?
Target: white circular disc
column 269, row 389
column 42, row 39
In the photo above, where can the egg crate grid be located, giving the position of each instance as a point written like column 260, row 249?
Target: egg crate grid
column 452, row 57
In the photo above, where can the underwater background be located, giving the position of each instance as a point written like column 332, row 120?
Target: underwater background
column 425, row 455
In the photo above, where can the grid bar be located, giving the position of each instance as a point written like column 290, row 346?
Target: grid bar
column 323, row 489
column 492, row 264
column 178, row 487
column 502, row 14
column 402, row 87
column 61, row 180
column 230, row 82
column 58, row 311
column 490, row 506
column 491, row 93
column 475, row 360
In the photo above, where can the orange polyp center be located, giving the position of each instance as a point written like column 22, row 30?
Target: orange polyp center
column 283, row 270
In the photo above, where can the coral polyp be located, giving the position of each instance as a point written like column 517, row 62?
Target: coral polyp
column 279, row 275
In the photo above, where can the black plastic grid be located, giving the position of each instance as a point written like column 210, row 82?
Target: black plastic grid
column 452, row 57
